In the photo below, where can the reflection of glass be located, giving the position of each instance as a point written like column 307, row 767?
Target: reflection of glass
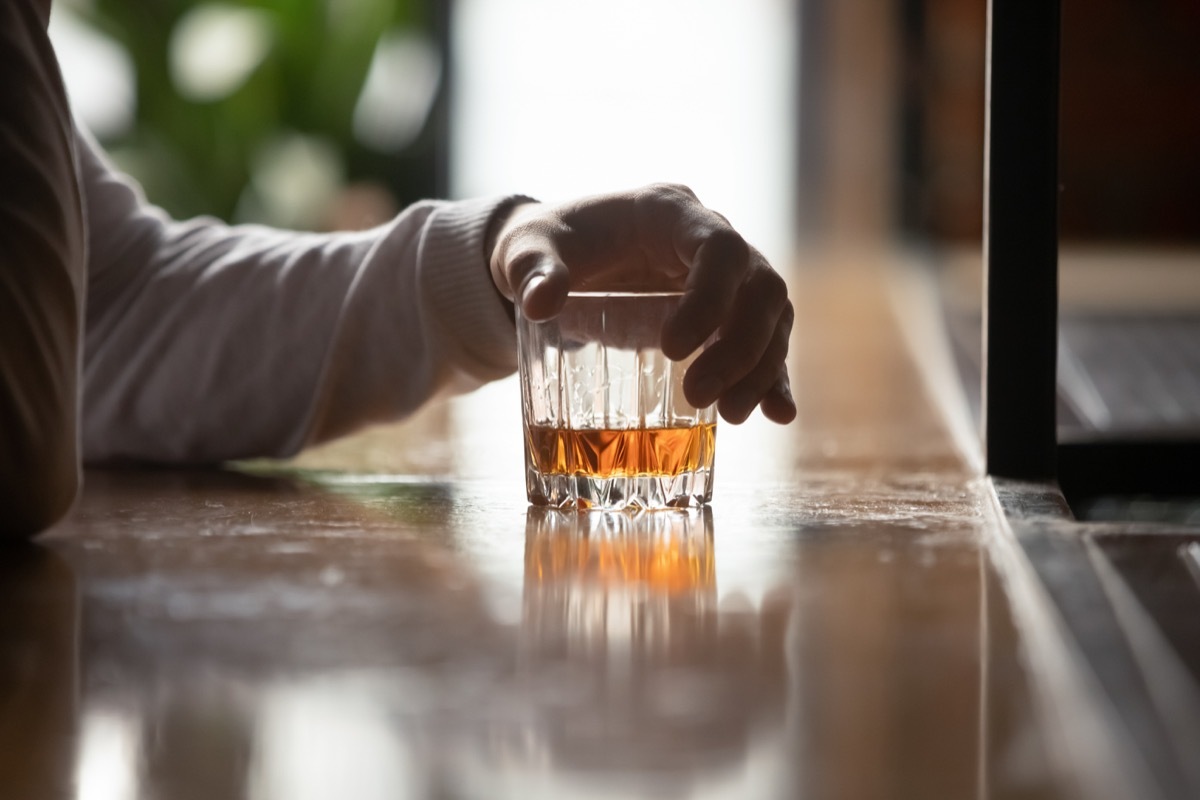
column 606, row 422
column 623, row 663
column 617, row 582
column 668, row 553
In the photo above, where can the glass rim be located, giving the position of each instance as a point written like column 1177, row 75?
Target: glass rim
column 622, row 294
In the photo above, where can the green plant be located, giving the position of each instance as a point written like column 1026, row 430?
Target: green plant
column 201, row 149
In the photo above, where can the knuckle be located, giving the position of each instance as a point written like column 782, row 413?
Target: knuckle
column 666, row 198
column 776, row 283
column 783, row 328
column 668, row 189
column 768, row 282
column 787, row 317
column 780, row 344
column 729, row 244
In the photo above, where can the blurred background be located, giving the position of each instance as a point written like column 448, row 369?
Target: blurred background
column 299, row 113
column 856, row 124
column 1129, row 127
column 800, row 119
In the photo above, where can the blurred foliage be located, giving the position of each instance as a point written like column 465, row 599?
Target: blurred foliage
column 198, row 156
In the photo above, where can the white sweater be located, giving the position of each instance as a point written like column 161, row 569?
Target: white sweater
column 207, row 342
column 127, row 336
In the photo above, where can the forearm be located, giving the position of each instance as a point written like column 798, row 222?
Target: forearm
column 41, row 279
column 206, row 342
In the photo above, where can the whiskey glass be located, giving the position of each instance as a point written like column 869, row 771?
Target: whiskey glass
column 606, row 423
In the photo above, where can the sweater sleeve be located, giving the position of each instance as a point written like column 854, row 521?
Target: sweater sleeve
column 206, row 342
column 42, row 262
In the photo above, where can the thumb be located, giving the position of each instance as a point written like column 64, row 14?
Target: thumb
column 543, row 290
column 527, row 267
column 535, row 276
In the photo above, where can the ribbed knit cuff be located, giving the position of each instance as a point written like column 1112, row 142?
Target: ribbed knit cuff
column 461, row 290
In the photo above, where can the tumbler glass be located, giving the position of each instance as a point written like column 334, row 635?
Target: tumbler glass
column 606, row 423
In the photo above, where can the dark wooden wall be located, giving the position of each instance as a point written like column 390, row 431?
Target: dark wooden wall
column 1130, row 119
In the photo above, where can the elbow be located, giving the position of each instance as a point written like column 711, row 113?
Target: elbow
column 37, row 497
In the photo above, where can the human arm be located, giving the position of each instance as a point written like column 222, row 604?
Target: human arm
column 42, row 264
column 654, row 238
column 207, row 342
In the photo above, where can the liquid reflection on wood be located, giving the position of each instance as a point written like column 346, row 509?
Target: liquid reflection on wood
column 634, row 670
column 667, row 552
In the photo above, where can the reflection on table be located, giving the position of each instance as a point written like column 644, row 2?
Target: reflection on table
column 622, row 650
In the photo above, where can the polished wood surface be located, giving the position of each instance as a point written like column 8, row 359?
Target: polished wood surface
column 387, row 617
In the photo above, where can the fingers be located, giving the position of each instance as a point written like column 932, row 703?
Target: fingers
column 542, row 286
column 746, row 365
column 766, row 385
column 732, row 289
column 718, row 269
column 718, row 261
column 744, row 340
column 778, row 404
column 527, row 267
column 656, row 239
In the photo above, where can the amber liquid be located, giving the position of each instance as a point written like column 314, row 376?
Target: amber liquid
column 604, row 453
column 671, row 563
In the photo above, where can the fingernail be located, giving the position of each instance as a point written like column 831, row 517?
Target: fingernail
column 530, row 286
column 785, row 389
column 786, row 393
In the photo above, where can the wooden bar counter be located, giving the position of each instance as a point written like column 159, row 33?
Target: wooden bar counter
column 386, row 618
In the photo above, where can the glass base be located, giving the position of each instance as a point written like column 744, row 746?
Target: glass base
column 620, row 492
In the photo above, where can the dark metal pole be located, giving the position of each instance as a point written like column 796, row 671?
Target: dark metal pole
column 443, row 22
column 1021, row 238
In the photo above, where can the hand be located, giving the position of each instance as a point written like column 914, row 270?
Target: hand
column 653, row 239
